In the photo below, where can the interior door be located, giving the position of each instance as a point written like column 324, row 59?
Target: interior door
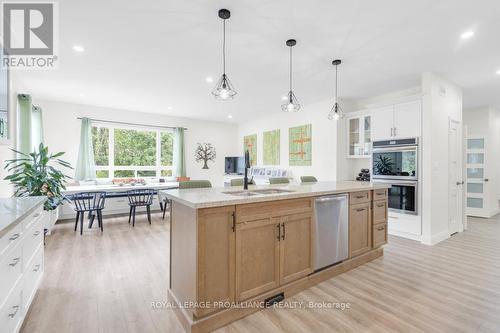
column 455, row 209
column 407, row 119
column 382, row 123
column 476, row 177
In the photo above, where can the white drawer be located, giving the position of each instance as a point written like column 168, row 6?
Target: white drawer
column 35, row 216
column 10, row 240
column 11, row 269
column 33, row 239
column 11, row 314
column 31, row 277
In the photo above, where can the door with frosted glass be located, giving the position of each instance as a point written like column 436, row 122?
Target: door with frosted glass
column 477, row 180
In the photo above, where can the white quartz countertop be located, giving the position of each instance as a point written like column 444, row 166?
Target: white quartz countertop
column 216, row 197
column 13, row 210
column 118, row 188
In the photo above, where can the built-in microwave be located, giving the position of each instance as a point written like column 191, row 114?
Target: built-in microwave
column 395, row 159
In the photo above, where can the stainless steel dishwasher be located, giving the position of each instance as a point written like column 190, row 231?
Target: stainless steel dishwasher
column 332, row 230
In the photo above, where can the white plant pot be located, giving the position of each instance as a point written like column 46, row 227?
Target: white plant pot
column 51, row 218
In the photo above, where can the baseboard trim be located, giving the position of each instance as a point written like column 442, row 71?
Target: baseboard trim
column 437, row 238
column 405, row 235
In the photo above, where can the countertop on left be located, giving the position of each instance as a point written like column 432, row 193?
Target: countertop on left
column 14, row 210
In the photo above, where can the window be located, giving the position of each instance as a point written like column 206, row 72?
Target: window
column 132, row 152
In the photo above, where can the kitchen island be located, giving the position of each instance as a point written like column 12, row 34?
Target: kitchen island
column 234, row 251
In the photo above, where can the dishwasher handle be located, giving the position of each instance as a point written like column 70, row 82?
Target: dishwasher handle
column 333, row 198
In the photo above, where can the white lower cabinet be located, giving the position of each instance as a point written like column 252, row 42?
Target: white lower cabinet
column 21, row 270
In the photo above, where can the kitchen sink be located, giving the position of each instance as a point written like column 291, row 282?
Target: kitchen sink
column 272, row 191
column 240, row 193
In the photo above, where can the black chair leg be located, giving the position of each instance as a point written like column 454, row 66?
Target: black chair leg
column 81, row 223
column 164, row 210
column 91, row 222
column 130, row 214
column 148, row 209
column 99, row 218
column 133, row 217
column 161, row 206
column 76, row 221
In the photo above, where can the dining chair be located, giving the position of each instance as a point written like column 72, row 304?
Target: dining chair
column 308, row 179
column 89, row 202
column 140, row 198
column 240, row 181
column 279, row 180
column 194, row 184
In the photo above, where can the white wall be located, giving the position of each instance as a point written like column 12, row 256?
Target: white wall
column 62, row 133
column 442, row 101
column 325, row 146
column 486, row 122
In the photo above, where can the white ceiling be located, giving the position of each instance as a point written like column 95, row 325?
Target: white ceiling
column 148, row 55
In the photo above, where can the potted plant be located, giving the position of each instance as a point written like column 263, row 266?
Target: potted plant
column 35, row 174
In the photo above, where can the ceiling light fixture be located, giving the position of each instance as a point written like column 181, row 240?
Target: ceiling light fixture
column 291, row 104
column 224, row 89
column 467, row 34
column 336, row 111
column 78, row 48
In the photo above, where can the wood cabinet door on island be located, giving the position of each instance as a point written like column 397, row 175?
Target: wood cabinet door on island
column 216, row 256
column 359, row 229
column 296, row 247
column 257, row 257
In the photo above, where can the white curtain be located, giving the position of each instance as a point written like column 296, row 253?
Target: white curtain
column 85, row 165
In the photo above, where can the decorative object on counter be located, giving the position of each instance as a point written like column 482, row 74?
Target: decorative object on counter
column 300, row 145
column 291, row 104
column 250, row 144
column 364, row 175
column 205, row 152
column 272, row 147
column 308, row 179
column 34, row 174
column 182, row 179
column 224, row 89
column 336, row 111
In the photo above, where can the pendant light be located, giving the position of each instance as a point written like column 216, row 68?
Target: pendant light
column 224, row 89
column 291, row 104
column 336, row 111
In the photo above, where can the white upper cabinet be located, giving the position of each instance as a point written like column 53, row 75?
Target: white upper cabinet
column 383, row 123
column 397, row 121
column 359, row 136
column 407, row 119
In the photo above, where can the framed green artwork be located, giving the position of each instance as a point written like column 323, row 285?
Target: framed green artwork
column 250, row 144
column 300, row 145
column 272, row 147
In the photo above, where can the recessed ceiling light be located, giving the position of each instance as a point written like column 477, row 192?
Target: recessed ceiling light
column 82, row 95
column 169, row 108
column 467, row 34
column 209, row 79
column 284, row 98
column 498, row 72
column 78, row 48
column 230, row 116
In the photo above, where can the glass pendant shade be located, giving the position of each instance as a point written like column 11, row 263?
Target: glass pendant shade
column 291, row 104
column 335, row 112
column 224, row 89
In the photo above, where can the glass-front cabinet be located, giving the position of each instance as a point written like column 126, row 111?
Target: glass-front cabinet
column 359, row 136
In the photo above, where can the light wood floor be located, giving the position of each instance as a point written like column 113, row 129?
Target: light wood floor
column 106, row 283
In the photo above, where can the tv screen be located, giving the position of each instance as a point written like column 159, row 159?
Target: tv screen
column 235, row 165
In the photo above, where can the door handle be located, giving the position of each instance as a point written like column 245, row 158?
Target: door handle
column 395, row 131
column 283, row 236
column 392, row 131
column 279, row 231
column 234, row 223
column 486, row 180
column 14, row 237
column 13, row 314
column 360, row 209
column 460, row 183
column 14, row 262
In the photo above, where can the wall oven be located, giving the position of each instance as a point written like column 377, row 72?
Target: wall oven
column 395, row 159
column 395, row 162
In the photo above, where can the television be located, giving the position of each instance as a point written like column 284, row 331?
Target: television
column 234, row 165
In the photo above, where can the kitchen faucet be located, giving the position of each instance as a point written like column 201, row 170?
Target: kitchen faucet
column 247, row 166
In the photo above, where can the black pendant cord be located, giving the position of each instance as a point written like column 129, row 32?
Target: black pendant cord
column 336, row 82
column 224, row 47
column 290, row 69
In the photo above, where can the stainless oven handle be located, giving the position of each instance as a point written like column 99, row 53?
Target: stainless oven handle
column 397, row 182
column 396, row 149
